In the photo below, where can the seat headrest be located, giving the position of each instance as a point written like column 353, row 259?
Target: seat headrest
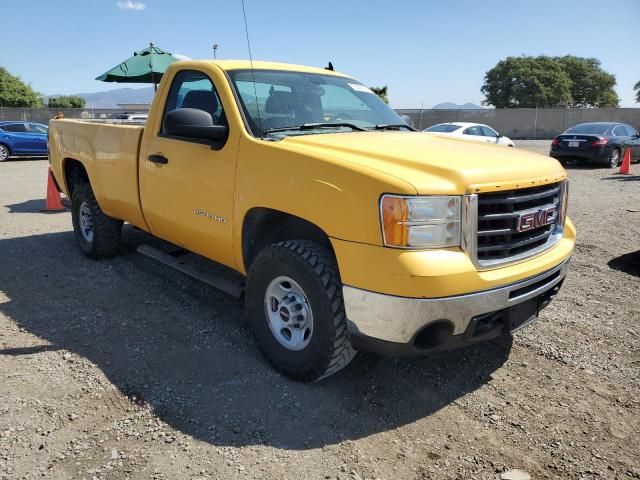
column 202, row 99
column 282, row 103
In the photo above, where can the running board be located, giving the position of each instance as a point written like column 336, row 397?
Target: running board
column 216, row 281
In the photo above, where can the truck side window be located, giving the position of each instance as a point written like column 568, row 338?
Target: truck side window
column 193, row 89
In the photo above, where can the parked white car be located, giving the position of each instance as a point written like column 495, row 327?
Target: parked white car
column 470, row 131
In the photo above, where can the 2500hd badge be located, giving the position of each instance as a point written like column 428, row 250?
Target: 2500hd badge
column 212, row 216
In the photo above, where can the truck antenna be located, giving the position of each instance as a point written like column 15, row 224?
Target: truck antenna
column 253, row 76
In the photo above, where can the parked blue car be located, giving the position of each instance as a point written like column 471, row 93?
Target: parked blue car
column 22, row 139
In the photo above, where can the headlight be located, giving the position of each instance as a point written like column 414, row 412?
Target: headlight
column 420, row 222
column 564, row 200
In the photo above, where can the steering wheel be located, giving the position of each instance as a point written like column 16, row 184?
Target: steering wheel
column 339, row 116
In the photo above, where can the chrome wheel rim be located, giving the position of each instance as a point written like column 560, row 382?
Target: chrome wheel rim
column 4, row 153
column 615, row 157
column 288, row 313
column 86, row 222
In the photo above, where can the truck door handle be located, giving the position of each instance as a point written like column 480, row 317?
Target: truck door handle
column 158, row 159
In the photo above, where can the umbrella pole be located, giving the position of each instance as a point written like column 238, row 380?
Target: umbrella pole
column 153, row 80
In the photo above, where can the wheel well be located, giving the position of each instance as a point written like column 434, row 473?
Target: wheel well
column 263, row 227
column 6, row 146
column 74, row 174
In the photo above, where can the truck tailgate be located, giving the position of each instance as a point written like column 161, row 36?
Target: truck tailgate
column 109, row 153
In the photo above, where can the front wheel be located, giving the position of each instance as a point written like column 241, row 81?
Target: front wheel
column 296, row 312
column 4, row 153
column 97, row 234
column 614, row 158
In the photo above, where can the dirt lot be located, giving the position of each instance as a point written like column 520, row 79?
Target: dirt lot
column 124, row 369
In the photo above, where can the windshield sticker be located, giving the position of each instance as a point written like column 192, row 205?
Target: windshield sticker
column 359, row 88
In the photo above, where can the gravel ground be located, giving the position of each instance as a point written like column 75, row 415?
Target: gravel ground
column 124, row 369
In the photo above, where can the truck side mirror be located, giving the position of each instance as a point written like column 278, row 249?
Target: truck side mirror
column 194, row 123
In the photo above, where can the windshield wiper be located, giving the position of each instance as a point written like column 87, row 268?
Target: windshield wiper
column 314, row 126
column 386, row 126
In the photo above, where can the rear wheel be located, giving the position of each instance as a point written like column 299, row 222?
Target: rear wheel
column 296, row 312
column 97, row 234
column 4, row 153
column 614, row 158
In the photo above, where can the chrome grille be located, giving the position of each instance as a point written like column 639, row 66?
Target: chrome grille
column 498, row 240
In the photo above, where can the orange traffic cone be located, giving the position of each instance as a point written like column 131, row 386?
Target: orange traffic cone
column 53, row 202
column 626, row 162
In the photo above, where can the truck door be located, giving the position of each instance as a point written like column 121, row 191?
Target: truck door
column 186, row 186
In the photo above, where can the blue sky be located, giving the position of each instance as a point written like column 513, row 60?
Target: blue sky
column 425, row 51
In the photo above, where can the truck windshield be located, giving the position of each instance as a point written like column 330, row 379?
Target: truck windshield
column 274, row 100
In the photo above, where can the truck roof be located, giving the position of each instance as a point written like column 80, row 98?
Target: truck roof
column 259, row 65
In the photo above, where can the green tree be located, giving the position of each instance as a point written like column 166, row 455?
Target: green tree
column 66, row 101
column 526, row 82
column 637, row 89
column 15, row 93
column 549, row 82
column 381, row 92
column 591, row 86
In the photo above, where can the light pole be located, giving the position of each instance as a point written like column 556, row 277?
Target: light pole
column 215, row 50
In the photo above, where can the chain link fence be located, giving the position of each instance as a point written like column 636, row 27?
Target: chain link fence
column 43, row 115
column 525, row 123
column 516, row 123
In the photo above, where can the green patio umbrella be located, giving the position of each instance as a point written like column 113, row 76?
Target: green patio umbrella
column 146, row 66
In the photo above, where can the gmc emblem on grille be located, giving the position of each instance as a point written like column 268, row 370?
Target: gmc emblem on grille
column 529, row 221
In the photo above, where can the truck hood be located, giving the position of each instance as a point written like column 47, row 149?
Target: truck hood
column 435, row 165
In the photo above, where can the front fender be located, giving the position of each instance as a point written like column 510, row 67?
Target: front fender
column 340, row 197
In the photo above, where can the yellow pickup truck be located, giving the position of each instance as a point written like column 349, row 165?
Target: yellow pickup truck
column 352, row 230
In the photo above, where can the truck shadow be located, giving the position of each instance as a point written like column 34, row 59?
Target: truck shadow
column 182, row 348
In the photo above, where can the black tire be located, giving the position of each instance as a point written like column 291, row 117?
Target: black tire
column 106, row 231
column 314, row 269
column 5, row 153
column 614, row 158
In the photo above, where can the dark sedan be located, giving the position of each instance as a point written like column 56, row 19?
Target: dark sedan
column 598, row 142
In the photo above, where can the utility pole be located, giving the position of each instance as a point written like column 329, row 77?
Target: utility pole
column 215, row 50
column 535, row 123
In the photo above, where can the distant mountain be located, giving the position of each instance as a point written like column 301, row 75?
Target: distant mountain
column 455, row 106
column 111, row 98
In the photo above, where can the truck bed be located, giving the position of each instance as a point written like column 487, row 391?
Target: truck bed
column 109, row 150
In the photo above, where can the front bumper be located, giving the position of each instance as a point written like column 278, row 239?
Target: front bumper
column 400, row 325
